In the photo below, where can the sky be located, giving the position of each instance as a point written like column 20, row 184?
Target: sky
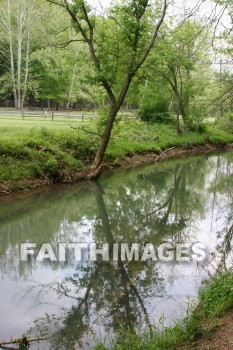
column 178, row 9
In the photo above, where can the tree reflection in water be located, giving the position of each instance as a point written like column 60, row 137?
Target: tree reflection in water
column 171, row 202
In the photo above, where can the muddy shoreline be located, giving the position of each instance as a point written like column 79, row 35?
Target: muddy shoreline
column 173, row 152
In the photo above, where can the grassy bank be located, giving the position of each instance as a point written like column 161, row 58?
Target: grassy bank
column 215, row 299
column 58, row 152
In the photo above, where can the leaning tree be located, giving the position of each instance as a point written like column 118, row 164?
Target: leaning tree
column 119, row 41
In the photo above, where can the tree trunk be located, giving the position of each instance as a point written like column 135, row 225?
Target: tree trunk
column 181, row 111
column 19, row 60
column 184, row 116
column 178, row 131
column 26, row 71
column 96, row 165
column 132, row 67
column 181, row 100
column 180, row 107
column 95, row 170
column 72, row 83
column 11, row 53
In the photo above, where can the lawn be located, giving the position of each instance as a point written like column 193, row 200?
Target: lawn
column 14, row 124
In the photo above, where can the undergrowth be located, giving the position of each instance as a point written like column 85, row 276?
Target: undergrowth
column 215, row 298
column 57, row 155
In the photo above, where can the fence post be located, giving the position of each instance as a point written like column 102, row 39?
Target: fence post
column 82, row 118
column 52, row 116
column 22, row 113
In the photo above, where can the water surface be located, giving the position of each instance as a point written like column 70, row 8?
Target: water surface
column 75, row 305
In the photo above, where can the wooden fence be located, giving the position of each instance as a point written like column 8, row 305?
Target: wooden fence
column 56, row 115
column 50, row 115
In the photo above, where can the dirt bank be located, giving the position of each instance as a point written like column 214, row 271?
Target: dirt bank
column 173, row 152
column 219, row 338
column 113, row 165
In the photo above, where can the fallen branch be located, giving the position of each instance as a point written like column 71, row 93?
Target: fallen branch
column 87, row 131
column 163, row 153
column 18, row 341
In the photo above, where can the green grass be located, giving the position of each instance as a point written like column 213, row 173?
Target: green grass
column 215, row 298
column 132, row 136
column 40, row 154
column 39, row 148
column 15, row 125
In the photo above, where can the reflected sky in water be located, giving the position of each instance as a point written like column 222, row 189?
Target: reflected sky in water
column 184, row 200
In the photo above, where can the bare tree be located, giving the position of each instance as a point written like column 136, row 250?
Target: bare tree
column 15, row 21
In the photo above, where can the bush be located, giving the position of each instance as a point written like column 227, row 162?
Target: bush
column 156, row 113
column 51, row 165
column 227, row 123
column 199, row 127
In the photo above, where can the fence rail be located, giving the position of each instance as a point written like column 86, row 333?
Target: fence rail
column 43, row 114
column 50, row 115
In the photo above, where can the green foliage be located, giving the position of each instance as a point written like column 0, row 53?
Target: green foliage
column 52, row 72
column 161, row 338
column 9, row 147
column 42, row 154
column 156, row 113
column 217, row 296
column 173, row 69
column 198, row 126
column 51, row 165
column 53, row 154
column 102, row 119
column 227, row 123
column 100, row 347
column 71, row 161
column 220, row 137
column 155, row 104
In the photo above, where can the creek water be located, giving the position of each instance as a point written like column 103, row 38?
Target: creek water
column 76, row 304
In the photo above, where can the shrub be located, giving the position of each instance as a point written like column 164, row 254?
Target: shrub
column 51, row 165
column 156, row 113
column 199, row 127
column 227, row 123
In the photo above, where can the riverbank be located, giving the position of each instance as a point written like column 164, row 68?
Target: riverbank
column 208, row 326
column 42, row 157
column 214, row 315
column 220, row 338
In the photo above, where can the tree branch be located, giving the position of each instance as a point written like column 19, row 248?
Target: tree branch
column 154, row 36
column 87, row 19
column 89, row 41
column 62, row 45
column 56, row 3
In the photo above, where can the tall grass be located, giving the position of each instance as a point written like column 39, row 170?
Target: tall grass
column 215, row 298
